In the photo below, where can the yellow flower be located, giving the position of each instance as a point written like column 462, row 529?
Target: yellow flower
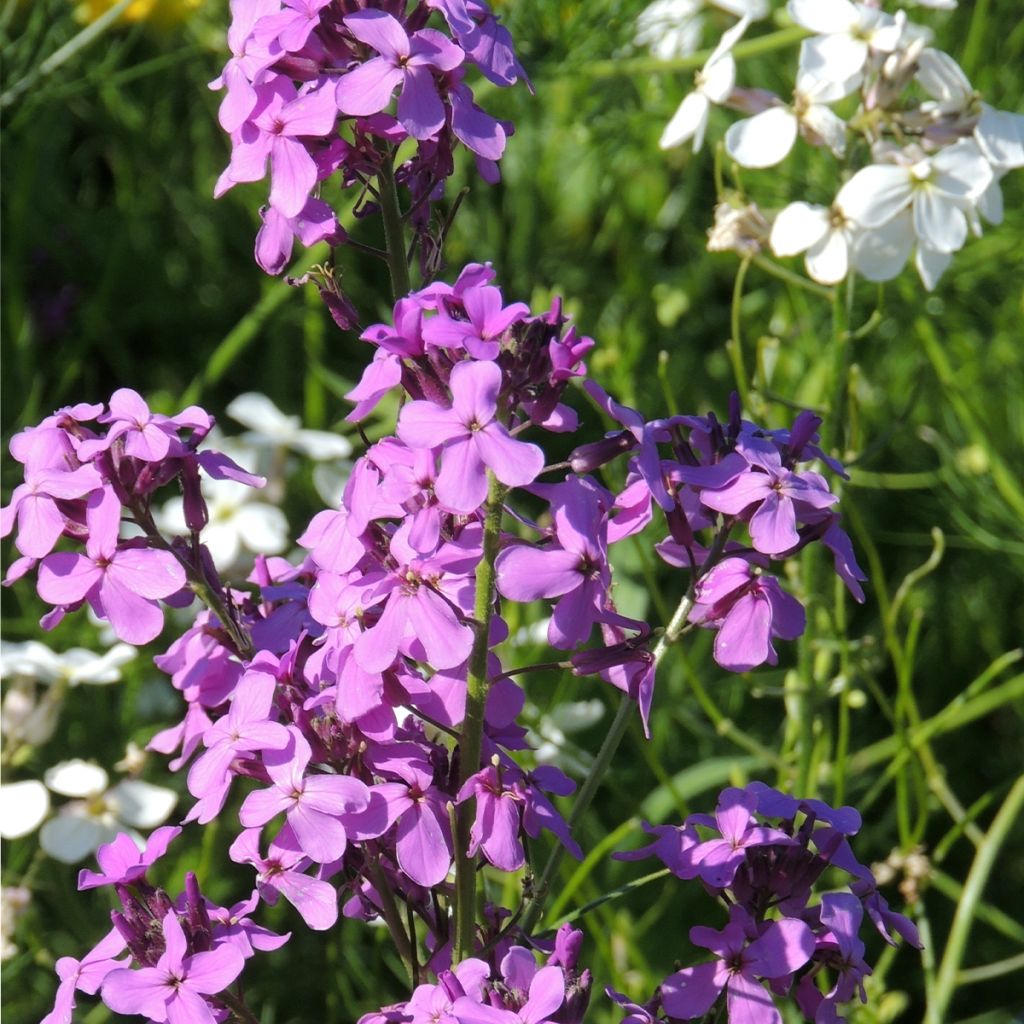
column 162, row 13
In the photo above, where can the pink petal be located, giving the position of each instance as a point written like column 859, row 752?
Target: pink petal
column 419, row 106
column 292, row 175
column 65, row 578
column 367, row 89
column 381, row 31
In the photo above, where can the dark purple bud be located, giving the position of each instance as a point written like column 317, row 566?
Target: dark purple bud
column 805, row 429
column 197, row 922
column 577, row 999
column 679, row 526
column 196, row 514
column 342, row 309
column 588, row 457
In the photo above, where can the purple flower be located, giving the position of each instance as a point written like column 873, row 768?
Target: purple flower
column 273, row 131
column 173, row 990
column 121, row 861
column 576, row 571
column 473, row 436
column 85, row 975
column 121, row 583
column 314, row 805
column 545, row 997
column 750, row 610
column 486, row 320
column 404, row 61
column 779, row 950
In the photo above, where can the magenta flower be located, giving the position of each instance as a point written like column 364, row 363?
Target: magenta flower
column 495, row 831
column 121, row 583
column 782, row 948
column 173, row 990
column 475, row 439
column 545, row 998
column 35, row 504
column 122, row 862
column 273, row 131
column 719, row 859
column 405, row 61
column 314, row 805
column 85, row 975
column 487, row 321
column 750, row 610
column 777, row 496
column 282, row 873
column 575, row 571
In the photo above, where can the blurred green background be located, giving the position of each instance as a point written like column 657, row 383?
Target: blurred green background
column 120, row 269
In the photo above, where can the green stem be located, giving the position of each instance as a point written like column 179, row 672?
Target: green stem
column 984, row 861
column 389, row 908
column 734, row 345
column 623, row 716
column 70, row 49
column 796, row 280
column 394, row 231
column 477, row 685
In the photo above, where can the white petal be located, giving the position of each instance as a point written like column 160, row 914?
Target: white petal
column 688, row 122
column 23, row 805
column 880, row 254
column 329, row 481
column 259, row 414
column 72, row 837
column 729, row 39
column 827, row 126
column 829, row 260
column 752, row 10
column 320, row 444
column 962, row 170
column 939, row 222
column 943, row 79
column 931, row 265
column 76, row 778
column 824, row 15
column 815, row 89
column 764, row 139
column 875, row 194
column 836, row 58
column 718, row 79
column 798, row 227
column 1000, row 135
column 262, row 528
column 990, row 203
column 140, row 803
column 103, row 669
column 31, row 659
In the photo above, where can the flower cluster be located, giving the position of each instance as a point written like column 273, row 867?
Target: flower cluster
column 85, row 467
column 762, row 854
column 930, row 154
column 301, row 70
column 334, row 696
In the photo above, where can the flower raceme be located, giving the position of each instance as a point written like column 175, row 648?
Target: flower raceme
column 331, row 695
column 767, row 850
column 310, row 88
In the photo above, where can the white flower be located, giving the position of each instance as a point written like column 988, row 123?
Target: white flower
column 75, row 666
column 824, row 234
column 847, row 33
column 271, row 428
column 938, row 190
column 98, row 814
column 23, row 806
column 998, row 133
column 766, row 138
column 714, row 82
column 671, row 29
column 14, row 901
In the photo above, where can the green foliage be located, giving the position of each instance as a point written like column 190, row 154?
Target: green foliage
column 121, row 270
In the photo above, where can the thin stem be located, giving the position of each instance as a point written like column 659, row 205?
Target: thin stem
column 623, row 716
column 394, row 231
column 984, row 861
column 477, row 685
column 238, row 1006
column 735, row 346
column 796, row 280
column 71, row 48
column 389, row 909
